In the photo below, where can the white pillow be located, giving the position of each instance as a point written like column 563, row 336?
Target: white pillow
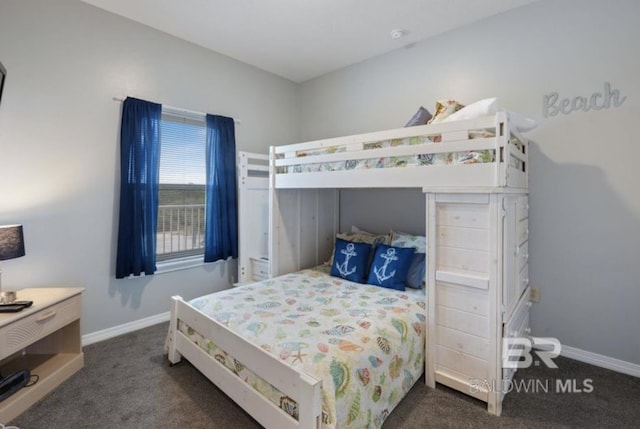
column 484, row 107
column 489, row 106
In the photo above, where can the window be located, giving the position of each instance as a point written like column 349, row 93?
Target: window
column 193, row 152
column 181, row 207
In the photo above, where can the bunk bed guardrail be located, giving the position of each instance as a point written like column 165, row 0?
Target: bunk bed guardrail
column 404, row 157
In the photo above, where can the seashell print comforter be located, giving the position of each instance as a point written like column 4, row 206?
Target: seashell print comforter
column 365, row 343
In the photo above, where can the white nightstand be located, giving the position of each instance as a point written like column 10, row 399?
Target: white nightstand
column 259, row 268
column 44, row 338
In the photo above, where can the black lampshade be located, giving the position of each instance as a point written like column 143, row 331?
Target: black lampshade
column 11, row 242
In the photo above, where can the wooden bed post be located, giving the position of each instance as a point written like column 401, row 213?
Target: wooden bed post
column 310, row 403
column 494, row 367
column 430, row 308
column 274, row 217
column 503, row 156
column 173, row 354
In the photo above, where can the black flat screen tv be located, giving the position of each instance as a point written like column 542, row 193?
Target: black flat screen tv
column 3, row 75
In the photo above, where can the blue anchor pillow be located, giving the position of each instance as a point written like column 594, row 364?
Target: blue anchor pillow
column 390, row 266
column 350, row 260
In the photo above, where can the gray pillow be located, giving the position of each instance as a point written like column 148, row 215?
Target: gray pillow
column 415, row 276
column 421, row 117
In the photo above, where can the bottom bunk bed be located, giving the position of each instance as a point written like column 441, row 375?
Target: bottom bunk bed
column 306, row 350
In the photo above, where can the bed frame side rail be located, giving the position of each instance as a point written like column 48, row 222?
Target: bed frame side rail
column 302, row 388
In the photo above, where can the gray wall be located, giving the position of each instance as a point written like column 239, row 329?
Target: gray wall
column 59, row 138
column 585, row 206
column 402, row 210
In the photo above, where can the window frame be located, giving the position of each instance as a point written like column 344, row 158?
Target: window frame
column 182, row 259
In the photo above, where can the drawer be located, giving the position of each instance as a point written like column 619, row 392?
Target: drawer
column 522, row 256
column 259, row 268
column 26, row 331
column 258, row 277
column 520, row 327
column 523, row 279
column 514, row 326
column 522, row 231
column 517, row 327
column 522, row 208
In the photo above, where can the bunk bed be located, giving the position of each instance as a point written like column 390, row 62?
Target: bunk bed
column 473, row 174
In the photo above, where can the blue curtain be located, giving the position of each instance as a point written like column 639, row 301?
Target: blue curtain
column 139, row 177
column 221, row 217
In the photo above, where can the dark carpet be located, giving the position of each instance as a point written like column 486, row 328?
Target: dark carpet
column 127, row 383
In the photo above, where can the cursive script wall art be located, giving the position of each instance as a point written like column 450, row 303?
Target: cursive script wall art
column 553, row 104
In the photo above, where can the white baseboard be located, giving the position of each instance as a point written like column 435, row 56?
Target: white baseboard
column 105, row 334
column 601, row 361
column 568, row 352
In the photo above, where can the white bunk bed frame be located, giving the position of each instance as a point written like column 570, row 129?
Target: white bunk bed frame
column 303, row 214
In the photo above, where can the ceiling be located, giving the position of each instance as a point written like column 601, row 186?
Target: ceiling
column 303, row 39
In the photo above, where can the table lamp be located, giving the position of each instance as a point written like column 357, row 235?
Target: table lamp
column 11, row 244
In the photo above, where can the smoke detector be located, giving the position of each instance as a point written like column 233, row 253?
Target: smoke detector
column 397, row 33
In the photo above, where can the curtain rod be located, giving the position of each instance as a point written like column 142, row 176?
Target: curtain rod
column 178, row 109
